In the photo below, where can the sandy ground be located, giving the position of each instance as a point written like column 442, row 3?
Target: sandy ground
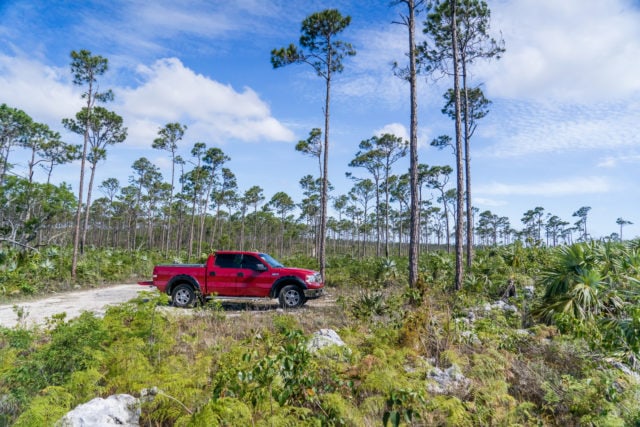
column 37, row 311
column 71, row 303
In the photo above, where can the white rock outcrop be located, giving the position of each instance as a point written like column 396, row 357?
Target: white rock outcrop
column 447, row 381
column 120, row 410
column 324, row 338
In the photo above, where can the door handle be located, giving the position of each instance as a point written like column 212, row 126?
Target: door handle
column 240, row 274
column 212, row 273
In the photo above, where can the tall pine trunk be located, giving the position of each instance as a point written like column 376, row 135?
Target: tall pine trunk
column 325, row 176
column 467, row 166
column 459, row 273
column 414, row 232
column 87, row 210
column 76, row 231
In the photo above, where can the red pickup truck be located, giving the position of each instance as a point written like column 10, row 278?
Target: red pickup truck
column 235, row 275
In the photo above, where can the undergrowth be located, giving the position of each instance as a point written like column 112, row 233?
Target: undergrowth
column 412, row 357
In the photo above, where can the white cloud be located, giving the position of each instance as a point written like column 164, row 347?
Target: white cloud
column 169, row 92
column 173, row 18
column 396, row 129
column 524, row 128
column 614, row 161
column 483, row 201
column 43, row 92
column 370, row 75
column 565, row 50
column 150, row 29
column 163, row 162
column 212, row 111
column 563, row 187
column 608, row 162
column 378, row 49
column 141, row 130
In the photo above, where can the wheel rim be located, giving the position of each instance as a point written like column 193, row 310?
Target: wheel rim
column 183, row 296
column 292, row 298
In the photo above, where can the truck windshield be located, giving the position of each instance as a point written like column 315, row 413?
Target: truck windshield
column 271, row 261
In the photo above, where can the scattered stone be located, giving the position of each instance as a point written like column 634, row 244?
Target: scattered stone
column 120, row 409
column 8, row 405
column 471, row 315
column 528, row 291
column 464, row 320
column 470, row 337
column 324, row 338
column 511, row 308
column 501, row 305
column 447, row 381
column 149, row 394
column 626, row 369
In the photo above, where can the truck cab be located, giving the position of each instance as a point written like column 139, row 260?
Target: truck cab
column 237, row 275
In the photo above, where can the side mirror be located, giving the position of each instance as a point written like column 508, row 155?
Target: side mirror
column 261, row 267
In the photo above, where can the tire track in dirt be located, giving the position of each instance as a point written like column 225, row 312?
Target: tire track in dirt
column 37, row 311
column 96, row 300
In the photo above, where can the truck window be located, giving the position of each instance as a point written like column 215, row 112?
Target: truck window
column 228, row 260
column 249, row 261
column 271, row 261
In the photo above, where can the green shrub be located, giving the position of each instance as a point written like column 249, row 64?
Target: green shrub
column 51, row 405
column 226, row 411
column 446, row 411
column 17, row 338
column 74, row 346
column 368, row 304
column 338, row 411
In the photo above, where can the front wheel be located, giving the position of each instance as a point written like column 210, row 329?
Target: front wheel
column 183, row 295
column 291, row 296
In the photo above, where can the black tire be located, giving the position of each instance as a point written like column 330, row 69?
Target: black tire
column 291, row 296
column 183, row 295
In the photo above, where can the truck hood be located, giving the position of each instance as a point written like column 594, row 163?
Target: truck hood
column 309, row 277
column 289, row 270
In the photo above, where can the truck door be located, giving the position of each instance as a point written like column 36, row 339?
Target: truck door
column 222, row 277
column 255, row 279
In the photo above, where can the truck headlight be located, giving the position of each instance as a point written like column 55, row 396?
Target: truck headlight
column 313, row 278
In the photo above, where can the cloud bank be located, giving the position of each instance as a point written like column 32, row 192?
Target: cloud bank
column 167, row 92
column 214, row 112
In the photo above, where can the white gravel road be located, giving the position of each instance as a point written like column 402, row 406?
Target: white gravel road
column 71, row 303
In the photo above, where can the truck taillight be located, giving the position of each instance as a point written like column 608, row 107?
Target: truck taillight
column 155, row 276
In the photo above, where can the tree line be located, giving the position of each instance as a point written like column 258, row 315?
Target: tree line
column 204, row 209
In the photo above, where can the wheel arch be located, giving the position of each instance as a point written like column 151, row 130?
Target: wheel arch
column 284, row 281
column 183, row 278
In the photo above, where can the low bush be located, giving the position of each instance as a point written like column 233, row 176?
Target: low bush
column 207, row 367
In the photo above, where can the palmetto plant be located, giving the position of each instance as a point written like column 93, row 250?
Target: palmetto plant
column 622, row 336
column 586, row 281
column 387, row 269
column 368, row 304
column 592, row 290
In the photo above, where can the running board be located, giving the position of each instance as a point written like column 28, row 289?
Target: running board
column 239, row 299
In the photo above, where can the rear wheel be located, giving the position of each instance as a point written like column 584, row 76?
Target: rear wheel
column 183, row 295
column 291, row 296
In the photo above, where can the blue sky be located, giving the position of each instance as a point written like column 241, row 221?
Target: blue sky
column 563, row 131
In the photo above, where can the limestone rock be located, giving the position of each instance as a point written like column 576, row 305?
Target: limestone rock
column 447, row 381
column 324, row 338
column 121, row 410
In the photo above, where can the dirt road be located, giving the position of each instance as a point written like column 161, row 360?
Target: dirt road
column 37, row 311
column 71, row 303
